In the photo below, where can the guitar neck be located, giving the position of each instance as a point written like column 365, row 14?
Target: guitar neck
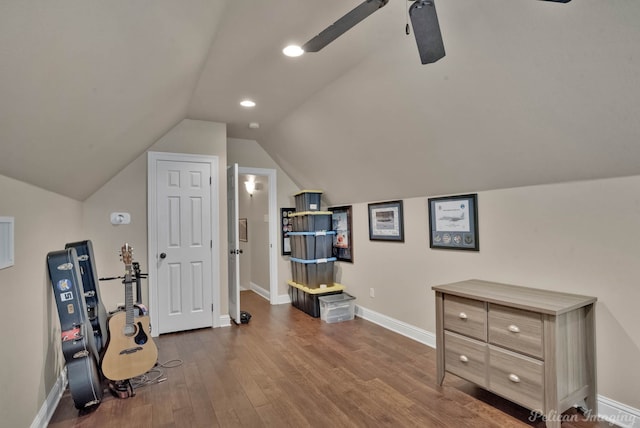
column 126, row 253
column 128, row 298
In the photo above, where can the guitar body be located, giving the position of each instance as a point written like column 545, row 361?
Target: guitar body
column 77, row 336
column 128, row 356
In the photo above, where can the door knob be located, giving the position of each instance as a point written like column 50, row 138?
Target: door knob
column 163, row 255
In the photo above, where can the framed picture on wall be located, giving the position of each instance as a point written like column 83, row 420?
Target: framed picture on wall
column 286, row 223
column 243, row 233
column 342, row 241
column 386, row 221
column 453, row 222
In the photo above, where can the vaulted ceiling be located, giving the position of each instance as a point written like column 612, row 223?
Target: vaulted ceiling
column 529, row 92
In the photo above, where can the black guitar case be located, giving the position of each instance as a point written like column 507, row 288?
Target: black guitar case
column 78, row 343
column 95, row 308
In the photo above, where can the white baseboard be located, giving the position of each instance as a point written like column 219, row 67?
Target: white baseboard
column 282, row 299
column 225, row 321
column 412, row 332
column 260, row 290
column 612, row 411
column 51, row 403
column 618, row 413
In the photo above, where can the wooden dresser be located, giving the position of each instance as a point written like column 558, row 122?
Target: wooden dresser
column 533, row 347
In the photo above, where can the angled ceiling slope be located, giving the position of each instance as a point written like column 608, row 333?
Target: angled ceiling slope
column 530, row 92
column 86, row 87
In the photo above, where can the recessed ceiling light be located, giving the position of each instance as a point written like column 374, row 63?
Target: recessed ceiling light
column 247, row 103
column 292, row 50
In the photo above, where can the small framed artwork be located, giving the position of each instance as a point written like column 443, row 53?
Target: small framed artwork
column 453, row 222
column 386, row 221
column 342, row 242
column 286, row 224
column 242, row 230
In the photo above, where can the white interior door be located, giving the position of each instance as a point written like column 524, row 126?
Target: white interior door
column 184, row 245
column 234, row 243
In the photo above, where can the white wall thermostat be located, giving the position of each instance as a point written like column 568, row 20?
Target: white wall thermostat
column 120, row 218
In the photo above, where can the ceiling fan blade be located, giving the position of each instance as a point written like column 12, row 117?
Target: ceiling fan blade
column 426, row 28
column 343, row 24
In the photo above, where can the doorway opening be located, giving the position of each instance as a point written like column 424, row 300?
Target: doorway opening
column 257, row 211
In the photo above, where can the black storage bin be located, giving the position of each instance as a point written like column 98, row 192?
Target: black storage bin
column 313, row 273
column 311, row 221
column 311, row 245
column 307, row 300
column 308, row 200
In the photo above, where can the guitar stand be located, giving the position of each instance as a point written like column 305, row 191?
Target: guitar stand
column 122, row 389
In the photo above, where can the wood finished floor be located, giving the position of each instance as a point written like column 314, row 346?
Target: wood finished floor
column 287, row 369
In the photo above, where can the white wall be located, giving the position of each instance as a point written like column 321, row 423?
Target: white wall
column 245, row 259
column 254, row 261
column 259, row 237
column 581, row 237
column 30, row 335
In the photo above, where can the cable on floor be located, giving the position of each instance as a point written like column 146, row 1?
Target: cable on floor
column 154, row 375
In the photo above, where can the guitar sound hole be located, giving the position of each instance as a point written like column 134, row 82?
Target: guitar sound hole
column 141, row 338
column 129, row 330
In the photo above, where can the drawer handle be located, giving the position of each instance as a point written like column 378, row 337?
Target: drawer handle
column 514, row 328
column 514, row 378
column 464, row 358
column 462, row 316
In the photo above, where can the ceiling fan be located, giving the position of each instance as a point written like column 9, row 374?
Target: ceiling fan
column 343, row 24
column 424, row 21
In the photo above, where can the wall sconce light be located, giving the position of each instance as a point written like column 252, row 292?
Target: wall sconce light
column 250, row 186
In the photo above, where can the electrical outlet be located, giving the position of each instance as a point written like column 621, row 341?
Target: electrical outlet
column 372, row 292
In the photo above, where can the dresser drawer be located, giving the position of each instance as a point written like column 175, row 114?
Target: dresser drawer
column 466, row 358
column 516, row 377
column 465, row 316
column 516, row 329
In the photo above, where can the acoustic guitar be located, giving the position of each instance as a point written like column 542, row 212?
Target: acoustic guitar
column 130, row 350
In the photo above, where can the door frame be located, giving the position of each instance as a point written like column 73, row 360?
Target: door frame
column 152, row 225
column 273, row 227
